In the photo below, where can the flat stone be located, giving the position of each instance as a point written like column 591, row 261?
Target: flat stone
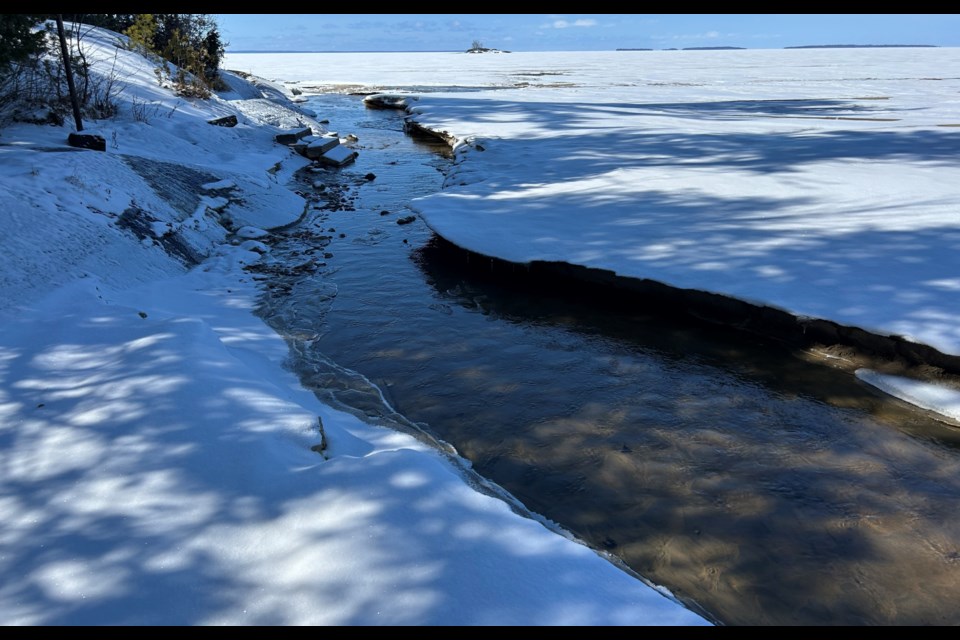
column 290, row 137
column 316, row 149
column 338, row 156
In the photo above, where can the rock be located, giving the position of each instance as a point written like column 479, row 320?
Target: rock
column 338, row 156
column 305, row 141
column 316, row 149
column 255, row 245
column 385, row 101
column 406, row 219
column 225, row 121
column 220, row 184
column 414, row 128
column 251, row 233
column 290, row 137
column 87, row 141
column 370, row 176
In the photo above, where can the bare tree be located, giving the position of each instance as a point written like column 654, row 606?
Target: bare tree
column 67, row 68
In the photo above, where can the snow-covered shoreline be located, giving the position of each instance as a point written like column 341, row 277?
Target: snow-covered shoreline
column 158, row 462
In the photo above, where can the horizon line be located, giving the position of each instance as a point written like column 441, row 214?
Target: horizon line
column 730, row 47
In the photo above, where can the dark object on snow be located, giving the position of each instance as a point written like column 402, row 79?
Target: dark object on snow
column 320, row 448
column 384, row 213
column 87, row 141
column 225, row 121
column 406, row 219
column 370, row 176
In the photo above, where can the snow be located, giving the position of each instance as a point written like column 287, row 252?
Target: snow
column 339, row 154
column 820, row 182
column 157, row 462
column 941, row 400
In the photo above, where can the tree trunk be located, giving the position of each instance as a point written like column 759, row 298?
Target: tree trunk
column 69, row 72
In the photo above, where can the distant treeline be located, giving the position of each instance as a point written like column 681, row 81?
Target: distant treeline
column 686, row 49
column 806, row 46
column 858, row 46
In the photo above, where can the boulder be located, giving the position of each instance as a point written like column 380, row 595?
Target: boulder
column 225, row 121
column 87, row 141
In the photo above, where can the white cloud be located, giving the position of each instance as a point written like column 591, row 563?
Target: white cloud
column 563, row 24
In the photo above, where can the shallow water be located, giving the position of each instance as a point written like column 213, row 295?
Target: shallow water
column 765, row 488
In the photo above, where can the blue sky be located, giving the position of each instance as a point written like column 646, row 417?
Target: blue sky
column 577, row 32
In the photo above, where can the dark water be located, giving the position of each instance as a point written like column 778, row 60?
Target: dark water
column 761, row 486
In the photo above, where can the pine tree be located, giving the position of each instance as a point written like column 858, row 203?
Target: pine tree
column 19, row 42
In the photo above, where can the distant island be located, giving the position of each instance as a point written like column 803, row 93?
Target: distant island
column 633, row 49
column 859, row 46
column 477, row 47
column 485, row 50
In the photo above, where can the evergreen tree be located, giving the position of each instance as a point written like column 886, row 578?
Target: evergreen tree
column 19, row 43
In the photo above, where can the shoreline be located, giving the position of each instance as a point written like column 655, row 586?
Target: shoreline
column 844, row 346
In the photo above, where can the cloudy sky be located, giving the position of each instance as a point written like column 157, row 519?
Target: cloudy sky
column 574, row 32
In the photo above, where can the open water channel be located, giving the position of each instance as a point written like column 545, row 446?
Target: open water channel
column 758, row 484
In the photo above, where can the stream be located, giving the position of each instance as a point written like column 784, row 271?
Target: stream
column 755, row 484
